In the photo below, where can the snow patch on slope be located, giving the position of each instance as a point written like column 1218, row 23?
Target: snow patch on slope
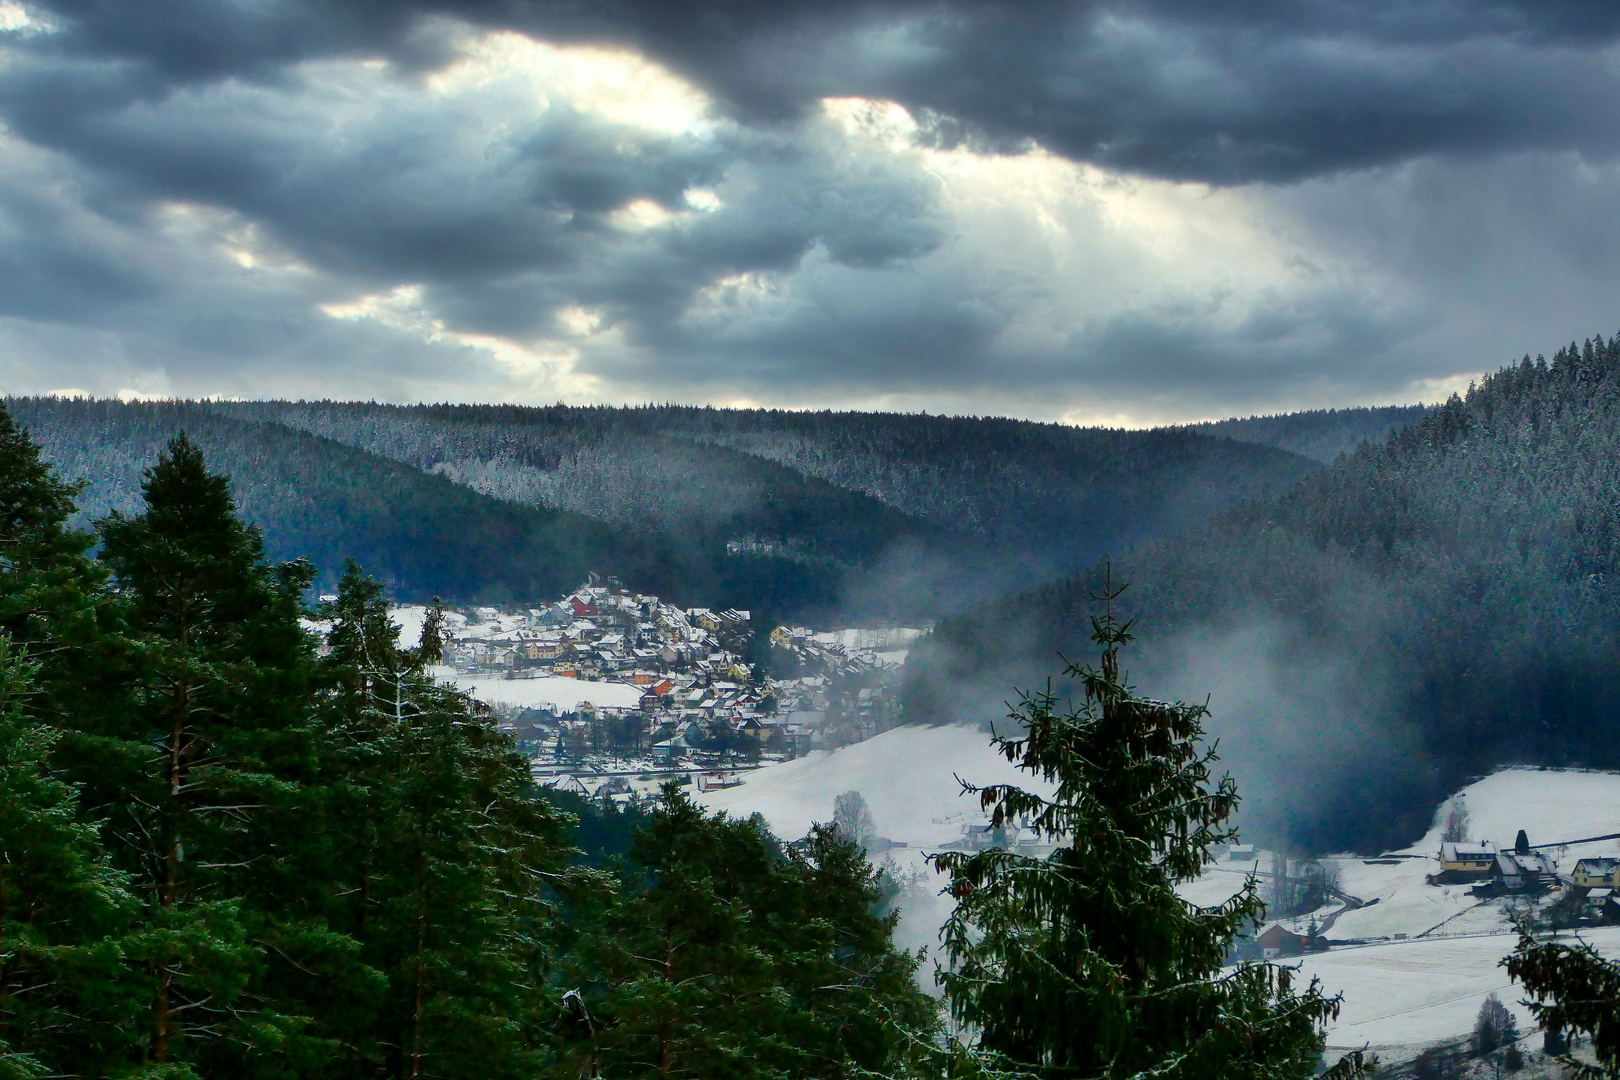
column 554, row 692
column 908, row 777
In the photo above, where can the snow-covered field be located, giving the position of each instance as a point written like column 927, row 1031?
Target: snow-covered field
column 1399, row 995
column 552, row 691
column 907, row 775
column 1402, row 996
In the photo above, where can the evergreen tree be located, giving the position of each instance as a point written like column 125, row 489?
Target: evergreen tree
column 1088, row 964
column 1573, row 991
column 445, row 863
column 734, row 958
column 43, row 567
column 54, row 605
column 201, row 773
column 66, row 1005
column 672, row 957
column 430, row 648
column 856, row 1007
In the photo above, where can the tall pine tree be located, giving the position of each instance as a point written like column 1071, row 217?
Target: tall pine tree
column 1087, row 963
column 201, row 772
column 726, row 956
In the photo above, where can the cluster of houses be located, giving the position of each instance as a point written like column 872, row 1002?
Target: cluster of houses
column 604, row 632
column 703, row 708
column 1526, row 870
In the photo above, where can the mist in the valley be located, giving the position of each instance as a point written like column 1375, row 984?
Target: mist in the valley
column 1310, row 735
column 1320, row 739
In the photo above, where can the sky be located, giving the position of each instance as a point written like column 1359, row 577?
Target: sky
column 1096, row 213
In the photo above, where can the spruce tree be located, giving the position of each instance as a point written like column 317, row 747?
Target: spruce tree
column 856, row 1007
column 47, row 582
column 67, row 1006
column 54, row 604
column 446, row 863
column 201, row 773
column 1573, row 991
column 681, row 990
column 725, row 955
column 1087, row 963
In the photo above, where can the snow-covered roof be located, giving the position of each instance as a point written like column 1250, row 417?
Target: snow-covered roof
column 1467, row 850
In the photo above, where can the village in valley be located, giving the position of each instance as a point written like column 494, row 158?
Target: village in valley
column 610, row 692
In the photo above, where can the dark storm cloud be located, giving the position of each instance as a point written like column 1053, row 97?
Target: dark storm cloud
column 1214, row 92
column 1406, row 133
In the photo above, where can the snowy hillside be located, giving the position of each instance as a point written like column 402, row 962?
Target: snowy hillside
column 1551, row 805
column 1403, row 996
column 908, row 776
column 1434, row 952
column 1430, row 955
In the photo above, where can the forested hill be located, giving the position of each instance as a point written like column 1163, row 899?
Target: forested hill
column 1012, row 503
column 1321, row 434
column 317, row 498
column 1418, row 612
column 822, row 517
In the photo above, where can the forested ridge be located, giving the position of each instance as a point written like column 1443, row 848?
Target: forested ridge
column 1433, row 607
column 825, row 517
column 232, row 849
column 422, row 534
column 939, row 512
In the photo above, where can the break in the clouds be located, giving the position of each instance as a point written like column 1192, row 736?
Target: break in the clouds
column 1127, row 212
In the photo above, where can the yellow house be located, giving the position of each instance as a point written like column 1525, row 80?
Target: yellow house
column 1467, row 857
column 1596, row 874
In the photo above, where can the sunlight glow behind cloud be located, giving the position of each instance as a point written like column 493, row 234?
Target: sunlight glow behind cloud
column 425, row 207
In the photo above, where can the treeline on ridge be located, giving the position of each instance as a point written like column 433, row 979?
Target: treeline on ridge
column 820, row 517
column 421, row 534
column 1320, row 434
column 1428, row 609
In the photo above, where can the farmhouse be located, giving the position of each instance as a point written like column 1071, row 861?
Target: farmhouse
column 1280, row 941
column 1464, row 860
column 1601, row 873
column 1519, row 872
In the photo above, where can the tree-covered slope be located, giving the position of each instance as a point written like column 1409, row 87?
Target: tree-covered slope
column 318, row 498
column 614, row 466
column 980, row 506
column 1418, row 612
column 1320, row 434
column 823, row 517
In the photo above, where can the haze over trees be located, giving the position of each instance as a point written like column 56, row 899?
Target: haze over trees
column 1445, row 601
column 1319, row 434
column 1088, row 963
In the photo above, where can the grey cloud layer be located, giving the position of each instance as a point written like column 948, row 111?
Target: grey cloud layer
column 1216, row 92
column 1455, row 158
